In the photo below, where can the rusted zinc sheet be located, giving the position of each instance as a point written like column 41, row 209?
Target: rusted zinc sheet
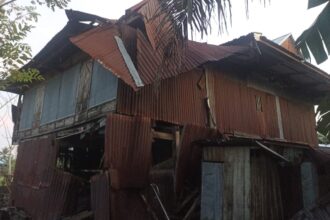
column 153, row 19
column 178, row 100
column 128, row 150
column 151, row 69
column 188, row 164
column 100, row 196
column 38, row 188
column 299, row 123
column 236, row 108
column 58, row 199
column 128, row 205
column 266, row 200
column 35, row 162
column 100, row 44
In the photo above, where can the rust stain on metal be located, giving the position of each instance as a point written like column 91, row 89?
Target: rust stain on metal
column 128, row 150
column 100, row 196
column 237, row 110
column 190, row 155
column 38, row 187
column 100, row 44
column 127, row 204
column 299, row 123
column 36, row 161
column 51, row 202
column 177, row 100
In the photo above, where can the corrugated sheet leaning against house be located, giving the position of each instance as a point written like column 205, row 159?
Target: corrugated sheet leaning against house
column 100, row 196
column 42, row 191
column 188, row 164
column 128, row 150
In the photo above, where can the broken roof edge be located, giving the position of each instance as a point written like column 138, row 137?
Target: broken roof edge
column 280, row 40
column 58, row 44
column 255, row 38
column 294, row 57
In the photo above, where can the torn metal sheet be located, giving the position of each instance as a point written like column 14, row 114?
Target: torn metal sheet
column 189, row 155
column 100, row 43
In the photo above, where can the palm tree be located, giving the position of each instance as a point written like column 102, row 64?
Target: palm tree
column 315, row 41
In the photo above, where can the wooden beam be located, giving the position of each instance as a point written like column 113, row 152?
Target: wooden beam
column 272, row 151
column 163, row 135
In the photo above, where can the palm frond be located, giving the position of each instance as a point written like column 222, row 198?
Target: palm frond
column 315, row 41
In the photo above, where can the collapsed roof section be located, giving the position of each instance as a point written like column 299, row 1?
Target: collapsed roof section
column 140, row 63
column 129, row 47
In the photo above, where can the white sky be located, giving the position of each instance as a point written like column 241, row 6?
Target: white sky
column 279, row 17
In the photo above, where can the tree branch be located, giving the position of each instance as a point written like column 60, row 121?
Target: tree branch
column 7, row 3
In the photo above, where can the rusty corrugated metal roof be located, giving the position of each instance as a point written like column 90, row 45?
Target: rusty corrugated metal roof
column 100, row 44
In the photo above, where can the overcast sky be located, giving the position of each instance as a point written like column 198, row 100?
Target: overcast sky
column 279, row 17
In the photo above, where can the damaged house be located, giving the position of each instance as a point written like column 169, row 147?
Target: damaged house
column 227, row 134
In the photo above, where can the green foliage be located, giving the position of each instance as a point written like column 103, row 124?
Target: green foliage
column 323, row 124
column 16, row 21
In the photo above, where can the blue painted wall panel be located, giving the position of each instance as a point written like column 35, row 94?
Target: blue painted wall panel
column 28, row 109
column 212, row 191
column 68, row 92
column 104, row 85
column 51, row 100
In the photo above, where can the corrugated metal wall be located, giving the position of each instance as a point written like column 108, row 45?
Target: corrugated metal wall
column 177, row 100
column 299, row 123
column 188, row 164
column 128, row 150
column 38, row 188
column 100, row 196
column 128, row 205
column 236, row 108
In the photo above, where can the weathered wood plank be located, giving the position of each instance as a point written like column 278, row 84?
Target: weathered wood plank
column 237, row 183
column 309, row 184
column 211, row 98
column 84, row 86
